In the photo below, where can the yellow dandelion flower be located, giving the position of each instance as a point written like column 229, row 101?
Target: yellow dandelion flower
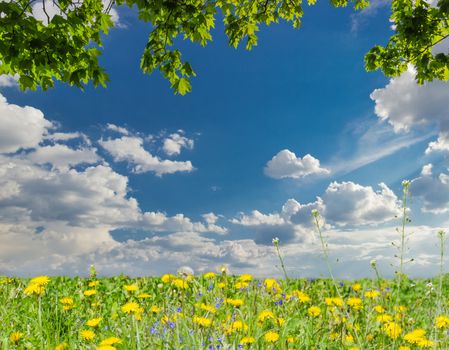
column 94, row 322
column 314, row 311
column 264, row 315
column 167, row 278
column 272, row 285
column 399, row 308
column 209, row 275
column 40, row 280
column 246, row 277
column 392, row 329
column 425, row 343
column 291, row 340
column 202, row 321
column 237, row 326
column 131, row 307
column 15, row 337
column 349, row 338
column 247, row 340
column 66, row 301
column 369, row 337
column 180, row 283
column 403, row 347
column 271, row 337
column 356, row 287
column 87, row 334
column 334, row 336
column 372, row 294
column 333, row 301
column 415, row 336
column 241, row 285
column 93, row 283
column 35, row 289
column 144, row 296
column 62, row 346
column 302, row 297
column 89, row 292
column 221, row 285
column 234, row 302
column 130, row 287
column 155, row 309
column 208, row 308
column 384, row 318
column 110, row 341
column 442, row 321
column 379, row 309
column 355, row 303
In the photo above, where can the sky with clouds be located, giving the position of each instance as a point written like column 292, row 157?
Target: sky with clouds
column 135, row 179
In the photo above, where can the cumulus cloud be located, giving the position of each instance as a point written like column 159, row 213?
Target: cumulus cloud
column 432, row 189
column 406, row 105
column 343, row 205
column 20, row 127
column 62, row 156
column 348, row 203
column 131, row 150
column 285, row 164
column 173, row 144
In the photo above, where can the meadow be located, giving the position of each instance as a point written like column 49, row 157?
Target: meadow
column 216, row 310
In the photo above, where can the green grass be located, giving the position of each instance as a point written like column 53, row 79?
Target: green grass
column 174, row 317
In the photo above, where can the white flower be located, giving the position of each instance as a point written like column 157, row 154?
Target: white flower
column 275, row 240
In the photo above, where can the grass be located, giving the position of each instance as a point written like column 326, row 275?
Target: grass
column 216, row 311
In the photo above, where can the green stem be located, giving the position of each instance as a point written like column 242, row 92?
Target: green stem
column 316, row 215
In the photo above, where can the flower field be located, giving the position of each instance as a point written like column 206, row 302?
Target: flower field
column 219, row 311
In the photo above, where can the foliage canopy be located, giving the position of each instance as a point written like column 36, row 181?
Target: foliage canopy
column 65, row 44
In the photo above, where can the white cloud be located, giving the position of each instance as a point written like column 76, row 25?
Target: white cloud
column 441, row 144
column 285, row 164
column 62, row 156
column 20, row 127
column 130, row 149
column 119, row 129
column 433, row 190
column 66, row 136
column 173, row 144
column 7, row 80
column 407, row 105
column 348, row 203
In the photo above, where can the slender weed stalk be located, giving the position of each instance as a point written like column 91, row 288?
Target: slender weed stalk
column 405, row 220
column 402, row 244
column 278, row 252
column 325, row 249
column 439, row 311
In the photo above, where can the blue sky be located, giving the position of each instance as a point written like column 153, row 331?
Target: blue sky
column 135, row 179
